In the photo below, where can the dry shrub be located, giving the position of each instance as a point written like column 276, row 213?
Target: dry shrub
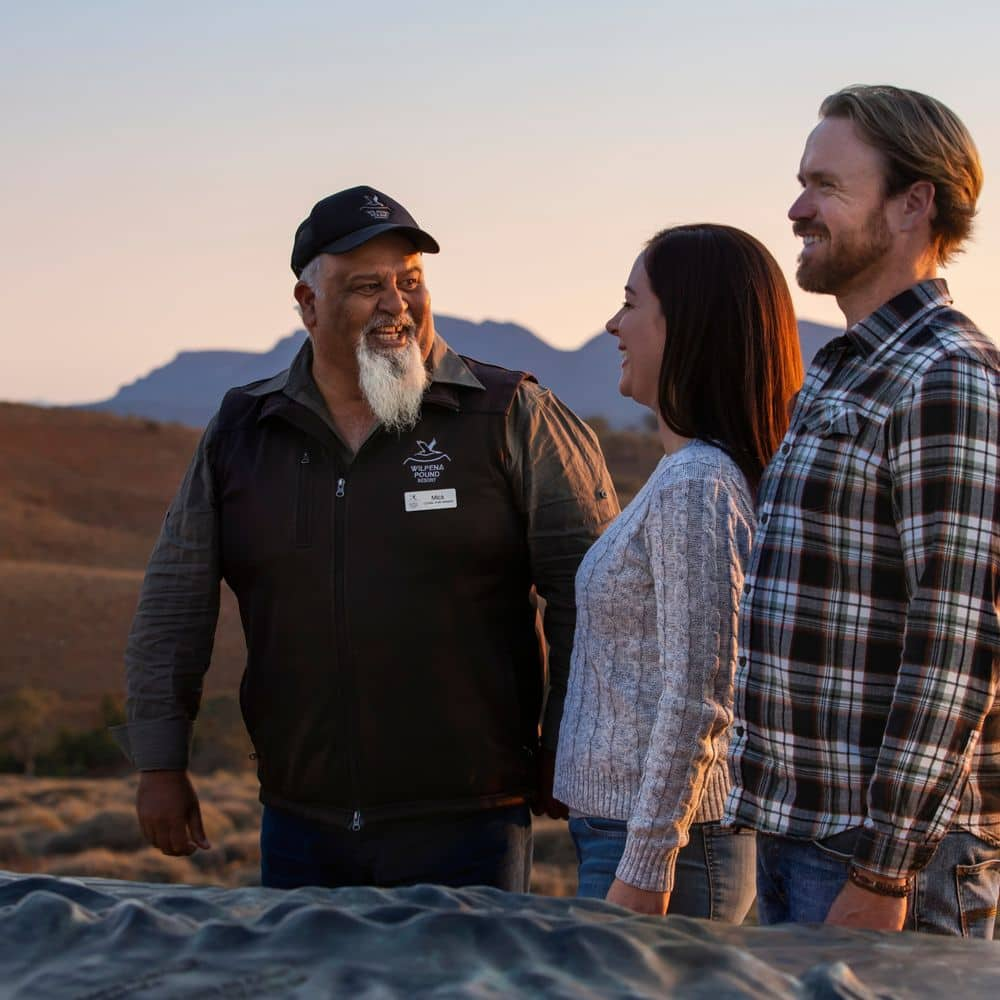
column 553, row 880
column 96, row 863
column 115, row 829
column 210, row 862
column 217, row 824
column 50, row 793
column 241, row 785
column 152, row 866
column 242, row 848
column 144, row 866
column 73, row 810
column 243, row 875
column 554, row 870
column 242, row 815
column 33, row 819
column 10, row 800
column 12, row 850
column 553, row 844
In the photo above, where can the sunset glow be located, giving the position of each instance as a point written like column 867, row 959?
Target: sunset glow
column 157, row 160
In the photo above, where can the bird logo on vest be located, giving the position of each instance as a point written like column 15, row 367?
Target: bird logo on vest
column 428, row 463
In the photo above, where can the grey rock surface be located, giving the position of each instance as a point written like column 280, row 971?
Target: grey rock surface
column 102, row 939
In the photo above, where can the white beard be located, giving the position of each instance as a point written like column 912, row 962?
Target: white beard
column 392, row 383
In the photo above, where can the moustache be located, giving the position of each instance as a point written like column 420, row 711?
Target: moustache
column 381, row 321
column 805, row 229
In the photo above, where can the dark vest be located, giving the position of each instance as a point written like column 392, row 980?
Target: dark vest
column 393, row 666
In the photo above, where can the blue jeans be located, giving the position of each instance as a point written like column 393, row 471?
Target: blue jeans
column 957, row 893
column 713, row 879
column 492, row 847
column 798, row 880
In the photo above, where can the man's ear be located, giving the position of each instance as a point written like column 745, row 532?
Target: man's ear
column 306, row 299
column 917, row 206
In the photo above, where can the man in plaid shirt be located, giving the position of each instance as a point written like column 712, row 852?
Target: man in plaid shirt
column 866, row 743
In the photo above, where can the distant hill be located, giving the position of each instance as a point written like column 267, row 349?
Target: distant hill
column 82, row 497
column 188, row 389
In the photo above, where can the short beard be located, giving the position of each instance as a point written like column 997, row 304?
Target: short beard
column 392, row 383
column 844, row 263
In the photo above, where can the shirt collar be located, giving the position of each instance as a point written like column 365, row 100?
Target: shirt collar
column 447, row 367
column 890, row 321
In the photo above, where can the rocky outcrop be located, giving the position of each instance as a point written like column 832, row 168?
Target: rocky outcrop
column 94, row 938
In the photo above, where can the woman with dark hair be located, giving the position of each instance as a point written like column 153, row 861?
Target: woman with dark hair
column 709, row 343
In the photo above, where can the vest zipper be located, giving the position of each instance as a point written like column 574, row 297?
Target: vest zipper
column 343, row 657
column 303, row 502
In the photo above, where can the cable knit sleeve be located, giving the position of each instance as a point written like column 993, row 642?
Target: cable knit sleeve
column 690, row 534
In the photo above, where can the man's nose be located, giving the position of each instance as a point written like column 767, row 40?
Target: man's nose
column 801, row 208
column 391, row 300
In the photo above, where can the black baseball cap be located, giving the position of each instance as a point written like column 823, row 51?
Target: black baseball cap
column 349, row 218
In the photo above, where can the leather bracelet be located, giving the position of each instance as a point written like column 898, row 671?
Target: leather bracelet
column 896, row 891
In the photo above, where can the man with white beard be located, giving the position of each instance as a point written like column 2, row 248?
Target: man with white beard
column 382, row 510
column 393, row 384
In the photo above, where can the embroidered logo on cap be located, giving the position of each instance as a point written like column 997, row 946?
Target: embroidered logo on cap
column 375, row 208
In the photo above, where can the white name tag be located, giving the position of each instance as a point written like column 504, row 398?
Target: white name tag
column 430, row 500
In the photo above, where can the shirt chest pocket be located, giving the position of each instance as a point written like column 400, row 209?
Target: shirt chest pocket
column 845, row 472
column 839, row 424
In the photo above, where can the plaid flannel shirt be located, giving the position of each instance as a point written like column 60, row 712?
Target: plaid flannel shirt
column 869, row 640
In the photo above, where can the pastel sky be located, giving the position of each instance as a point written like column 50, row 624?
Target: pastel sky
column 156, row 158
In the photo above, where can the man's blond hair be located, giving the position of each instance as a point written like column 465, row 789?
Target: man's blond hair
column 921, row 140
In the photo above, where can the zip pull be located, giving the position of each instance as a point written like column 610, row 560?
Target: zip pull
column 304, row 460
column 341, row 483
column 356, row 818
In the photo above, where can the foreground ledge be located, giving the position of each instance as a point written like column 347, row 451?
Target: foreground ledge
column 101, row 938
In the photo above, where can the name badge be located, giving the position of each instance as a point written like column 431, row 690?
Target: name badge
column 430, row 500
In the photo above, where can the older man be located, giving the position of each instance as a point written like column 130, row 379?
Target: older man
column 381, row 510
column 867, row 740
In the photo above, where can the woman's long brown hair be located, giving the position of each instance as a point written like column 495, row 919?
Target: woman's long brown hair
column 731, row 362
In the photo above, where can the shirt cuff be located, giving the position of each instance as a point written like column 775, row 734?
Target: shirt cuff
column 883, row 855
column 644, row 865
column 162, row 745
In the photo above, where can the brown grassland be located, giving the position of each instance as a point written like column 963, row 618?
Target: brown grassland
column 82, row 496
column 86, row 827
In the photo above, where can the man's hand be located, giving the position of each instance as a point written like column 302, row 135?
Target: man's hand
column 543, row 804
column 868, row 911
column 168, row 811
column 638, row 900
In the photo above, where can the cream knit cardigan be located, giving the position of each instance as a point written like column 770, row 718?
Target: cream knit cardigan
column 646, row 723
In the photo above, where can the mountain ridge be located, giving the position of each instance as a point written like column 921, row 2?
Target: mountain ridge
column 188, row 388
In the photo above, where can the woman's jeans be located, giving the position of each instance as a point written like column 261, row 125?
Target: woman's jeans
column 957, row 893
column 713, row 879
